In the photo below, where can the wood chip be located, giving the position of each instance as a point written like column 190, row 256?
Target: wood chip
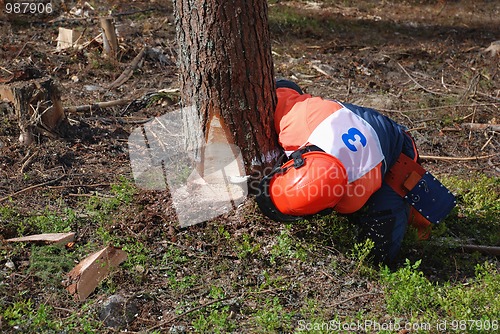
column 46, row 238
column 86, row 275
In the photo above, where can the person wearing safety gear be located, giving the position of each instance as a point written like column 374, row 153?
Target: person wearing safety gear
column 351, row 160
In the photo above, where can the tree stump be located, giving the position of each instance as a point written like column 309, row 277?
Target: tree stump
column 38, row 107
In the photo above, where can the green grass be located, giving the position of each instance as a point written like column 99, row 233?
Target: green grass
column 469, row 306
column 268, row 292
column 247, row 247
column 287, row 247
column 273, row 317
column 479, row 197
column 284, row 18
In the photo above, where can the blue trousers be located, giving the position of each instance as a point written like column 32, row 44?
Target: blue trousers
column 384, row 217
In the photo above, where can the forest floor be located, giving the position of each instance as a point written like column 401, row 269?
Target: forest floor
column 423, row 63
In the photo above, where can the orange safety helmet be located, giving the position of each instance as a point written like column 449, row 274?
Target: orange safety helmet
column 311, row 182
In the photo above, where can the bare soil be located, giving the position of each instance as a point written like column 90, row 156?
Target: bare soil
column 422, row 63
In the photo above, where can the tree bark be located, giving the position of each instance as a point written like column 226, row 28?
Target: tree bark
column 227, row 75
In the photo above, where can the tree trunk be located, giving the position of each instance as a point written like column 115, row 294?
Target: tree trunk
column 227, row 76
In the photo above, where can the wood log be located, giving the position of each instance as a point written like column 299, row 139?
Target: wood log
column 37, row 104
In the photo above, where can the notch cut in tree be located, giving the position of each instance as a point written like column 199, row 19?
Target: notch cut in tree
column 37, row 104
column 227, row 76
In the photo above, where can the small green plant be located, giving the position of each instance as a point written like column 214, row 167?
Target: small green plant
column 407, row 290
column 216, row 292
column 470, row 306
column 83, row 321
column 273, row 317
column 223, row 232
column 137, row 253
column 173, row 257
column 24, row 316
column 122, row 193
column 6, row 213
column 299, row 23
column 476, row 299
column 180, row 283
column 361, row 253
column 16, row 313
column 124, row 190
column 312, row 313
column 51, row 222
column 478, row 208
column 478, row 196
column 50, row 263
column 328, row 230
column 11, row 220
column 216, row 320
column 287, row 247
column 247, row 247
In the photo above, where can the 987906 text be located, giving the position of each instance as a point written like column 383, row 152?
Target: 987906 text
column 28, row 7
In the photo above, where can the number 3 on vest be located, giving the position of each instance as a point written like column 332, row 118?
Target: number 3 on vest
column 352, row 136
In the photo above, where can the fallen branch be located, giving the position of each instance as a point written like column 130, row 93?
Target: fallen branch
column 433, row 157
column 128, row 71
column 481, row 126
column 31, row 188
column 27, row 160
column 96, row 106
column 488, row 250
column 416, row 82
column 95, row 185
column 473, row 105
column 169, row 95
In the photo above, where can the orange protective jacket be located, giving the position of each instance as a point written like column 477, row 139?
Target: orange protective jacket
column 296, row 117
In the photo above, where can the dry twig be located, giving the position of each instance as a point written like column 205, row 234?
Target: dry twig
column 96, row 106
column 417, row 83
column 488, row 250
column 31, row 188
column 128, row 71
column 482, row 126
column 442, row 107
column 434, row 157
